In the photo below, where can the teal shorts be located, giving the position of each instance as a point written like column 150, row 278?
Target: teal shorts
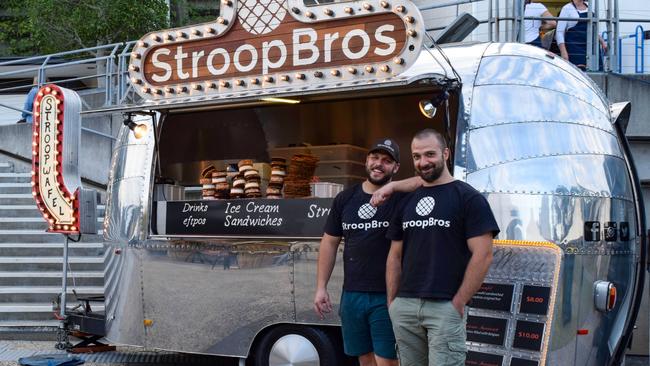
column 366, row 324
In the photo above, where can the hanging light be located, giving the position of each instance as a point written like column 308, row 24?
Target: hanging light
column 429, row 107
column 139, row 129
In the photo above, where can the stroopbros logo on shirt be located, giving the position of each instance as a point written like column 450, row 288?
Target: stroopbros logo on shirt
column 424, row 207
column 366, row 212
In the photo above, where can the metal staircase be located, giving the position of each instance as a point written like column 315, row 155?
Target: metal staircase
column 31, row 260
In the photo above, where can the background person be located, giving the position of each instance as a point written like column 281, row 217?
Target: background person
column 572, row 35
column 440, row 253
column 533, row 26
column 367, row 331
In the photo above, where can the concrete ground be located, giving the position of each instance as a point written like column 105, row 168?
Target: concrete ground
column 11, row 351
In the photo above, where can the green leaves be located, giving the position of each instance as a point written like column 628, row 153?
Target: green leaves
column 47, row 26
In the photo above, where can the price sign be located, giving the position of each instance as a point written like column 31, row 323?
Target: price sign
column 528, row 335
column 483, row 359
column 486, row 330
column 492, row 296
column 523, row 362
column 535, row 300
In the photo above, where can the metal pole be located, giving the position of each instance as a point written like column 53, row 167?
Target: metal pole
column 589, row 45
column 617, row 35
column 610, row 38
column 490, row 20
column 596, row 36
column 64, row 281
column 522, row 21
column 497, row 27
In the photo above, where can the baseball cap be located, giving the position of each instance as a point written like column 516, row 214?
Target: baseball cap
column 389, row 146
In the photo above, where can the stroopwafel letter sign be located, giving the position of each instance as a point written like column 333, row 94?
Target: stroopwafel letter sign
column 258, row 46
column 55, row 157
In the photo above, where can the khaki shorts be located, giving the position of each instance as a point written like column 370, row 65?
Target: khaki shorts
column 428, row 332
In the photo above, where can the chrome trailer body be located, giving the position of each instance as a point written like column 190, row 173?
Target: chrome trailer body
column 534, row 135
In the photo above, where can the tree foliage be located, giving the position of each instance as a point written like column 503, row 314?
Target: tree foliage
column 31, row 27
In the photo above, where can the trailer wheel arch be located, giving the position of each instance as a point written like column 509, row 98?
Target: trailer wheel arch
column 322, row 338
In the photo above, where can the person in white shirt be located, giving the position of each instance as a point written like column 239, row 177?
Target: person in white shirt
column 571, row 35
column 533, row 26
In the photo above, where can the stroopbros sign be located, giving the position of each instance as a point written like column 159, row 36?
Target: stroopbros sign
column 274, row 44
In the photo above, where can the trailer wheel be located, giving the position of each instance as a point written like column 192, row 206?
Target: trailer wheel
column 295, row 345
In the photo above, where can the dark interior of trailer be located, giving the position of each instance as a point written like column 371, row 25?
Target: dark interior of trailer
column 193, row 139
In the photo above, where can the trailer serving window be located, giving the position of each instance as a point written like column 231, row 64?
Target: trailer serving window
column 335, row 128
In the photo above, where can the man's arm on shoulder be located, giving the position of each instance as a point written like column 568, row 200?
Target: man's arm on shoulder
column 326, row 259
column 478, row 266
column 405, row 185
column 393, row 269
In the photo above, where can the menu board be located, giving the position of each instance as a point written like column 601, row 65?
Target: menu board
column 486, row 330
column 262, row 217
column 483, row 359
column 515, row 361
column 528, row 335
column 535, row 299
column 492, row 296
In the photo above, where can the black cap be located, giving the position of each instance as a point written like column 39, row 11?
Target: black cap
column 389, row 146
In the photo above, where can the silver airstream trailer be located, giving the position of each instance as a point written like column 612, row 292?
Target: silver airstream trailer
column 527, row 129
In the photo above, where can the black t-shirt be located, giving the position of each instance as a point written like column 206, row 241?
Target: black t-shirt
column 364, row 229
column 434, row 224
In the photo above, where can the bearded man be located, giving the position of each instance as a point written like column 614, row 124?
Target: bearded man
column 367, row 331
column 441, row 251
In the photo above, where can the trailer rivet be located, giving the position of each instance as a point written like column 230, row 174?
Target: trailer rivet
column 227, row 3
column 309, row 14
column 143, row 44
column 255, row 81
column 318, row 74
column 169, row 37
column 269, row 79
column 300, row 76
column 222, row 20
column 169, row 90
column 239, row 82
column 197, row 87
column 384, row 4
column 295, row 10
column 400, row 9
column 181, row 34
column 284, row 77
column 328, row 11
column 135, row 55
column 210, row 30
column 348, row 10
column 398, row 60
column 156, row 38
column 335, row 72
column 224, row 84
column 385, row 68
column 370, row 69
column 196, row 32
column 367, row 6
column 352, row 70
column 212, row 85
column 412, row 32
column 409, row 19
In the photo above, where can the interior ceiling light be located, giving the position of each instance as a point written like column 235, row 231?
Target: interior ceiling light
column 429, row 107
column 281, row 100
column 139, row 129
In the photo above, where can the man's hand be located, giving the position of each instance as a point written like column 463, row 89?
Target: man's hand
column 382, row 194
column 565, row 55
column 458, row 305
column 322, row 303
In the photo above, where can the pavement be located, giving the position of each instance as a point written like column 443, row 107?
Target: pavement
column 12, row 351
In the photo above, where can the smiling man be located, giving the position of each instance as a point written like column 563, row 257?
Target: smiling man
column 440, row 253
column 367, row 330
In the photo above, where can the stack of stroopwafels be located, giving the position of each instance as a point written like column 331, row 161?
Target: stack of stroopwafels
column 238, row 184
column 301, row 171
column 278, row 172
column 221, row 186
column 207, row 188
column 252, row 178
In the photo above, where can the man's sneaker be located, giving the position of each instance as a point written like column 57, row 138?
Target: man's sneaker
column 22, row 120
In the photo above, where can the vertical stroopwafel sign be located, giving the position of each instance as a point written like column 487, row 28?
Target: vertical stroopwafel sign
column 55, row 157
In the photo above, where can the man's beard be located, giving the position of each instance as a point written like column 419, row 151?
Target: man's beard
column 434, row 174
column 379, row 182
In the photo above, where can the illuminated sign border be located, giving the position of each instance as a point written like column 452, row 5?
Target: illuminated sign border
column 297, row 80
column 41, row 119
